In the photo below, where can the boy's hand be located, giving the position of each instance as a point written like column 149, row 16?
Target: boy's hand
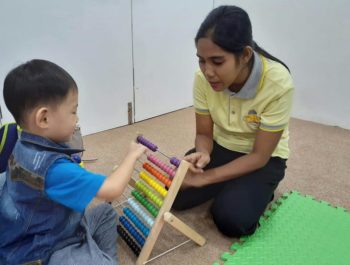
column 199, row 160
column 136, row 150
column 115, row 184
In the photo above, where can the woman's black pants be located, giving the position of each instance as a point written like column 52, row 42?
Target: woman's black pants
column 238, row 203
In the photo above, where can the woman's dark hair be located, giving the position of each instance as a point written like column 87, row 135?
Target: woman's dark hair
column 33, row 83
column 229, row 27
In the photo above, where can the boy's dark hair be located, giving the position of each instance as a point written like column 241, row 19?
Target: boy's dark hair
column 229, row 27
column 33, row 83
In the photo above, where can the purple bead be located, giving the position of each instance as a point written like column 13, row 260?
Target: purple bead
column 146, row 143
column 174, row 161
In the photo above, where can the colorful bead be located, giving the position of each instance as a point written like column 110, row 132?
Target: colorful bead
column 129, row 241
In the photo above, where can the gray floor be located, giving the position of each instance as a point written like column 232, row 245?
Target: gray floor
column 318, row 166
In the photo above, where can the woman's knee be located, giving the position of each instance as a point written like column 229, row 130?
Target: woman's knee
column 234, row 223
column 180, row 203
column 178, row 206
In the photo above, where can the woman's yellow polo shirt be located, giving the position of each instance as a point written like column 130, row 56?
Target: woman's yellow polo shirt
column 264, row 102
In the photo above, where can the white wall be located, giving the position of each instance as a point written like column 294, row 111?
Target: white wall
column 90, row 39
column 164, row 53
column 313, row 38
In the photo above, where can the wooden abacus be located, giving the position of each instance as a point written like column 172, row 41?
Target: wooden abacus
column 144, row 215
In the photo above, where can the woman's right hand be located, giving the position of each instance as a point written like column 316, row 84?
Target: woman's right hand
column 198, row 160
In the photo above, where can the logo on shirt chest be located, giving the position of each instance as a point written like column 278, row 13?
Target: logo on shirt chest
column 252, row 119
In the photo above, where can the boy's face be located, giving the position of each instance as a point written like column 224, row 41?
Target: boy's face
column 63, row 119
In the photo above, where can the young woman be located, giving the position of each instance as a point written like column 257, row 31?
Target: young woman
column 242, row 100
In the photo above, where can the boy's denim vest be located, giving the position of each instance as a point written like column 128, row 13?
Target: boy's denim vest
column 31, row 225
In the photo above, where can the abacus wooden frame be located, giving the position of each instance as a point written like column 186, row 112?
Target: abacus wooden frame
column 165, row 216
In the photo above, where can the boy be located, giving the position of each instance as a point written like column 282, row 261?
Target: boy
column 42, row 203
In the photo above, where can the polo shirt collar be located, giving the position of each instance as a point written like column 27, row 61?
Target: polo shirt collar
column 251, row 85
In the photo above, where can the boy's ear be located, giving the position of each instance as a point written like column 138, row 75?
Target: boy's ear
column 41, row 117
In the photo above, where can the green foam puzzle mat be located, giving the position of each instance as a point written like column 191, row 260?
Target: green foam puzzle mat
column 296, row 230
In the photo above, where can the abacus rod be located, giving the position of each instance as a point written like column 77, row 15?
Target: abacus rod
column 167, row 251
column 163, row 154
column 171, row 159
column 154, row 148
